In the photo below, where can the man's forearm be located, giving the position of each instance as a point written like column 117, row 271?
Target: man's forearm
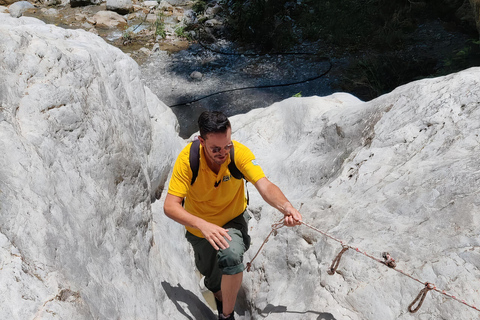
column 216, row 235
column 175, row 211
column 275, row 197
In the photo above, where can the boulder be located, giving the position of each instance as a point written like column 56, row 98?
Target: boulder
column 120, row 6
column 109, row 19
column 18, row 8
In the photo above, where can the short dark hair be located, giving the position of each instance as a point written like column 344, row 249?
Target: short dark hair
column 212, row 122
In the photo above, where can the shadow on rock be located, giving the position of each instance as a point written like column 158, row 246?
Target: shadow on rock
column 196, row 307
column 269, row 309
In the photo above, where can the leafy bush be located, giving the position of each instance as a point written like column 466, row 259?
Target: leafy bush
column 464, row 58
column 160, row 25
column 282, row 23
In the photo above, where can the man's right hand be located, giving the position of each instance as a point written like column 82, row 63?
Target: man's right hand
column 214, row 234
column 217, row 236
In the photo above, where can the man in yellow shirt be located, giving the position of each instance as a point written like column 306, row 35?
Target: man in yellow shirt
column 214, row 207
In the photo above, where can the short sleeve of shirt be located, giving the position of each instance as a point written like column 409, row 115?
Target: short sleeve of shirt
column 247, row 164
column 181, row 174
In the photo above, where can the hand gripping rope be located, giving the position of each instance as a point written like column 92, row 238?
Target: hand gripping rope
column 387, row 261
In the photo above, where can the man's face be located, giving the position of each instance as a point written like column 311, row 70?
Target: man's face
column 217, row 146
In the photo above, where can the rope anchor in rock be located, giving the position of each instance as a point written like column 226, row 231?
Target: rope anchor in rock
column 336, row 261
column 420, row 297
column 389, row 261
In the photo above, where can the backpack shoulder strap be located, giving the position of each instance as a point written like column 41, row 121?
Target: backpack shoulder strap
column 236, row 173
column 232, row 167
column 194, row 159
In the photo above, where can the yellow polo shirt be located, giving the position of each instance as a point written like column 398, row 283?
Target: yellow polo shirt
column 220, row 204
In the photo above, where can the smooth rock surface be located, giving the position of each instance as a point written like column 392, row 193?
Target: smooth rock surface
column 78, row 163
column 399, row 174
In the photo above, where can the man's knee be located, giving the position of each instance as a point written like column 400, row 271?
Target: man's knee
column 230, row 260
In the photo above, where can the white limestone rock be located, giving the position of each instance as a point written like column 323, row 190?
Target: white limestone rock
column 87, row 148
column 399, row 174
column 77, row 165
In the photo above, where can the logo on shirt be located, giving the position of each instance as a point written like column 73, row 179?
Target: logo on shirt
column 255, row 163
column 226, row 178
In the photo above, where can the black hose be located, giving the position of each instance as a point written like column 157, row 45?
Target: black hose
column 262, row 86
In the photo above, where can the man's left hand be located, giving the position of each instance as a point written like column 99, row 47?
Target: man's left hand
column 292, row 216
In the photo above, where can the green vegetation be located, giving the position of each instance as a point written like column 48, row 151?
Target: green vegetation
column 127, row 35
column 379, row 31
column 180, row 31
column 281, row 24
column 297, row 95
column 463, row 58
column 160, row 25
column 199, row 6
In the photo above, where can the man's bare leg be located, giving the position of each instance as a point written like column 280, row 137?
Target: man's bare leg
column 230, row 286
column 218, row 295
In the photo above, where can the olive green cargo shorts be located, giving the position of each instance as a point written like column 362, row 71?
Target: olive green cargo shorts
column 212, row 263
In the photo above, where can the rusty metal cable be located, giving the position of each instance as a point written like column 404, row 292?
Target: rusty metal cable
column 420, row 297
column 336, row 261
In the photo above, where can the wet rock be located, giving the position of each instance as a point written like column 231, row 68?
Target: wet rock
column 195, row 75
column 50, row 12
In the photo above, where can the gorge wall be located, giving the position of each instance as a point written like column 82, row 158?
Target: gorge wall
column 86, row 150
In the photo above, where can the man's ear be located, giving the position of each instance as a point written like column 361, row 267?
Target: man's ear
column 202, row 141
